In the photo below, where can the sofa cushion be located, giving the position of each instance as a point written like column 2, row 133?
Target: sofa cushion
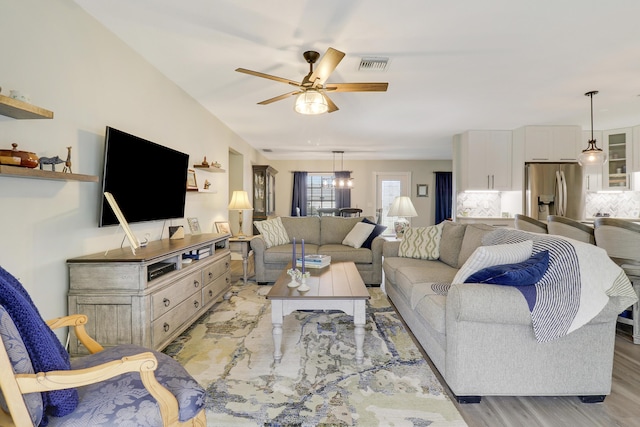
column 524, row 273
column 358, row 234
column 283, row 253
column 415, row 281
column 378, row 230
column 303, row 227
column 487, row 256
column 451, row 242
column 421, row 242
column 333, row 229
column 393, row 263
column 473, row 235
column 347, row 253
column 272, row 231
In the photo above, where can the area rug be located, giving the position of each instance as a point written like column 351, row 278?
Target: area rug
column 317, row 383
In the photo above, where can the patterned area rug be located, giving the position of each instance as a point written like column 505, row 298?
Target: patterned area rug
column 230, row 351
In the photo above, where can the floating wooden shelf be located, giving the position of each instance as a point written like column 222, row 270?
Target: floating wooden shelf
column 212, row 169
column 22, row 110
column 6, row 170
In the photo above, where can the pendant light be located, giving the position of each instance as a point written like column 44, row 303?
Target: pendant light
column 592, row 155
column 340, row 183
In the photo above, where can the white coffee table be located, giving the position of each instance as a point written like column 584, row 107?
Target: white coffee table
column 336, row 287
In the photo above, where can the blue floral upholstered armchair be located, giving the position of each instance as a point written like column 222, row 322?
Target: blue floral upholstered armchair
column 127, row 385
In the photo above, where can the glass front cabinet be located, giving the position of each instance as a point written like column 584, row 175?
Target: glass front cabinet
column 616, row 173
column 264, row 192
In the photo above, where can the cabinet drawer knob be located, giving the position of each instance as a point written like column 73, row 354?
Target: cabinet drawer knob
column 210, row 293
column 196, row 283
column 210, row 275
column 227, row 279
column 166, row 327
column 196, row 304
column 166, row 302
column 226, row 264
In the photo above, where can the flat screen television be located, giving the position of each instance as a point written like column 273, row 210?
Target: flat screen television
column 147, row 180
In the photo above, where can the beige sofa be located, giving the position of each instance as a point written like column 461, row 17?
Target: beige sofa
column 480, row 336
column 322, row 235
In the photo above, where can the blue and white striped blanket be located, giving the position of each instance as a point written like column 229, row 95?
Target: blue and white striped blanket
column 576, row 286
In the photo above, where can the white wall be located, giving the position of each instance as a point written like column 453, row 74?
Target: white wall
column 70, row 64
column 363, row 194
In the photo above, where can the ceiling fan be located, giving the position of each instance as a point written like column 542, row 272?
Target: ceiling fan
column 312, row 90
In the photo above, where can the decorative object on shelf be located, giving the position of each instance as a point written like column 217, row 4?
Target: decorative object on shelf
column 402, row 207
column 207, row 184
column 223, row 227
column 16, row 94
column 192, row 184
column 422, row 190
column 67, row 163
column 592, row 155
column 216, row 165
column 16, row 157
column 240, row 202
column 53, row 161
column 194, row 225
column 205, row 163
column 176, row 232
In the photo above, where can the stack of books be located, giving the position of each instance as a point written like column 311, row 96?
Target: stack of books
column 198, row 253
column 314, row 261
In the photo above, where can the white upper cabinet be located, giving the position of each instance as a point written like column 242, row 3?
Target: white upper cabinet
column 617, row 143
column 485, row 160
column 551, row 143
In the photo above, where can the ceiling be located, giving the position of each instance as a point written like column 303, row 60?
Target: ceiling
column 453, row 66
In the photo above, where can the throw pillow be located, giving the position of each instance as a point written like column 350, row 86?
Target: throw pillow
column 487, row 256
column 358, row 234
column 378, row 230
column 524, row 273
column 452, row 235
column 272, row 231
column 421, row 242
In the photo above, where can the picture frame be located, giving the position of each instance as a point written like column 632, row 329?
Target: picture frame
column 223, row 227
column 192, row 184
column 422, row 190
column 194, row 225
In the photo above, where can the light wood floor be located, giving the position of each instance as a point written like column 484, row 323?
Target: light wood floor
column 620, row 409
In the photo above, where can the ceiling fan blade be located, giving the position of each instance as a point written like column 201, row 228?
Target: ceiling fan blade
column 267, row 76
column 332, row 106
column 279, row 98
column 357, row 87
column 325, row 67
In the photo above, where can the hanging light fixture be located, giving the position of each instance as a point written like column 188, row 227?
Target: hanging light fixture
column 592, row 155
column 311, row 102
column 340, row 183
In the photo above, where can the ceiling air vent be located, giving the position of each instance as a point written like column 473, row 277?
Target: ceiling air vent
column 373, row 64
column 267, row 150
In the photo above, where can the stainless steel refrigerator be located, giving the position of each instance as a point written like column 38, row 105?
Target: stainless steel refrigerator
column 553, row 189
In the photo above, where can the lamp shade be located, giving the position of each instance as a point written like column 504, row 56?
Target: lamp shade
column 402, row 206
column 592, row 155
column 240, row 201
column 311, row 102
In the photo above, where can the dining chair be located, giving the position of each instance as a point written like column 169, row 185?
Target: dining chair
column 567, row 227
column 526, row 223
column 621, row 239
column 121, row 385
column 350, row 211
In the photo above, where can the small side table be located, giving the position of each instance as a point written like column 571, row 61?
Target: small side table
column 242, row 246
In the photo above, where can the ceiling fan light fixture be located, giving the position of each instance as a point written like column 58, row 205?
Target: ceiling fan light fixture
column 311, row 102
column 592, row 155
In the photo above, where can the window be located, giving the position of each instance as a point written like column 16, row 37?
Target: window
column 320, row 192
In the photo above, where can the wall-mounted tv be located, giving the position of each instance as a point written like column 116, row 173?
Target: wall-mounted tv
column 147, row 180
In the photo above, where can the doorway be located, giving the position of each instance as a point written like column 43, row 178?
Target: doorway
column 390, row 185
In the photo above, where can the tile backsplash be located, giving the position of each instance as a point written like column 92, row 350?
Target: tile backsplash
column 625, row 204
column 478, row 205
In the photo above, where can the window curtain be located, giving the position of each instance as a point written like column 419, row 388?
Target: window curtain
column 343, row 195
column 299, row 197
column 444, row 196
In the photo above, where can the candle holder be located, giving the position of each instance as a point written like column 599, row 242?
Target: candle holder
column 303, row 282
column 293, row 273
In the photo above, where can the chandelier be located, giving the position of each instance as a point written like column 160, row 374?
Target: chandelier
column 340, row 183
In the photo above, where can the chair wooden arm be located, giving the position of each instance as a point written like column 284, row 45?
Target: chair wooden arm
column 145, row 363
column 77, row 321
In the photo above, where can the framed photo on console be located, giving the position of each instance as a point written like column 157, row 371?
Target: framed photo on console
column 223, row 227
column 194, row 225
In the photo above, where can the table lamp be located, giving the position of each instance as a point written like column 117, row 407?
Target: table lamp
column 240, row 202
column 401, row 208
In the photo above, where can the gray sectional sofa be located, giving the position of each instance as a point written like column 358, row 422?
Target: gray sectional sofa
column 322, row 235
column 480, row 337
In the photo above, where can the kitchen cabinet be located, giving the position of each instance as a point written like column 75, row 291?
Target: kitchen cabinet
column 617, row 143
column 551, row 143
column 485, row 160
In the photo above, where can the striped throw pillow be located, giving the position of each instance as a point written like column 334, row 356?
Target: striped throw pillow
column 488, row 256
